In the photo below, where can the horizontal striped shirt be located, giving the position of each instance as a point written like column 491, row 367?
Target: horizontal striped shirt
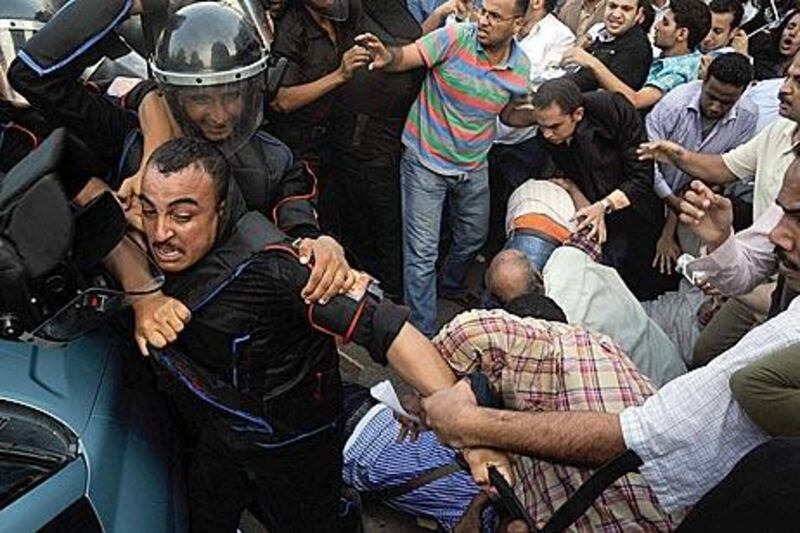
column 374, row 461
column 452, row 124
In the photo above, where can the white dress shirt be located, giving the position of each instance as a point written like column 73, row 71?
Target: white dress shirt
column 545, row 45
column 745, row 260
column 692, row 432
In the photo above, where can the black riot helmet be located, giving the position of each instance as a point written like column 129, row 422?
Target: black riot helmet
column 211, row 63
column 19, row 20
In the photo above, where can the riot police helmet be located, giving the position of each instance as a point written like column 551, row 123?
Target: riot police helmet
column 210, row 63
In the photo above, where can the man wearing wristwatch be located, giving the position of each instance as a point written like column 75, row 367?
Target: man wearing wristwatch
column 592, row 138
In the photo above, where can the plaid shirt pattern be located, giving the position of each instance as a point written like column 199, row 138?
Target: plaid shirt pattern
column 586, row 244
column 534, row 365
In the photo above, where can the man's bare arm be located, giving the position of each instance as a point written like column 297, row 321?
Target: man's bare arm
column 418, row 362
column 576, row 438
column 391, row 58
column 518, row 114
column 580, row 438
column 709, row 168
column 289, row 99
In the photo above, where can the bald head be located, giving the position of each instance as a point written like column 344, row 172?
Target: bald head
column 511, row 275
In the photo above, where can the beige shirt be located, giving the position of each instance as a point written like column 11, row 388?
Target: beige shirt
column 579, row 19
column 766, row 156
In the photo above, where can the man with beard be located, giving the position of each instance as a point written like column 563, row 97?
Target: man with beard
column 210, row 65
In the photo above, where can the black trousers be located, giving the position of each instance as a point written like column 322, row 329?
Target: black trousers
column 294, row 488
column 365, row 169
column 762, row 493
column 291, row 488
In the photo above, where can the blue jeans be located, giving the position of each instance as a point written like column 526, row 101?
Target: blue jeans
column 537, row 249
column 423, row 193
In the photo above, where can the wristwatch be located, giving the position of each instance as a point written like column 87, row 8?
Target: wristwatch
column 608, row 205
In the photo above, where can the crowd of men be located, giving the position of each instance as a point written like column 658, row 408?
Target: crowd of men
column 311, row 172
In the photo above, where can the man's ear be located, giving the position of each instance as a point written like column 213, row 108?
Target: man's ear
column 682, row 34
column 639, row 15
column 577, row 115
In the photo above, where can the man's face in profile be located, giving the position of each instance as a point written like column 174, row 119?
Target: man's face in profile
column 786, row 234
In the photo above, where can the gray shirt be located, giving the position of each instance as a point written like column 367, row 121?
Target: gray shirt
column 677, row 118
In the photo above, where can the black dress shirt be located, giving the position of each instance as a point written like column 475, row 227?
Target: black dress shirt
column 628, row 57
column 601, row 157
column 311, row 54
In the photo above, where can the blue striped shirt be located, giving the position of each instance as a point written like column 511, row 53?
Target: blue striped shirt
column 374, row 460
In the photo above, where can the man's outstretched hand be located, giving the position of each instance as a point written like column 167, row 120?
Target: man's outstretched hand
column 159, row 320
column 381, row 56
column 330, row 273
column 709, row 215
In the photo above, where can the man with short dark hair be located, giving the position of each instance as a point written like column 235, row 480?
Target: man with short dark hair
column 705, row 116
column 678, row 33
column 593, row 139
column 255, row 375
column 726, row 17
column 477, row 72
column 518, row 153
column 620, row 43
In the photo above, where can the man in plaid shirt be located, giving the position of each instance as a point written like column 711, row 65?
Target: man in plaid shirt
column 536, row 365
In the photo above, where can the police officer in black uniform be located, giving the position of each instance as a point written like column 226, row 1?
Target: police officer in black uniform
column 256, row 372
column 210, row 63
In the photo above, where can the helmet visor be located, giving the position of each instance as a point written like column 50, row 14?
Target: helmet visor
column 227, row 114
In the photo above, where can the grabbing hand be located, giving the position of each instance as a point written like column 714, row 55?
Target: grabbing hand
column 408, row 427
column 578, row 56
column 380, row 55
column 330, row 274
column 159, row 320
column 353, row 59
column 592, row 217
column 661, row 151
column 447, row 409
column 708, row 215
column 480, row 459
column 667, row 252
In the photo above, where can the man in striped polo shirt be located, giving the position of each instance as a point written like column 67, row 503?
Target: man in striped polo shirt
column 476, row 73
